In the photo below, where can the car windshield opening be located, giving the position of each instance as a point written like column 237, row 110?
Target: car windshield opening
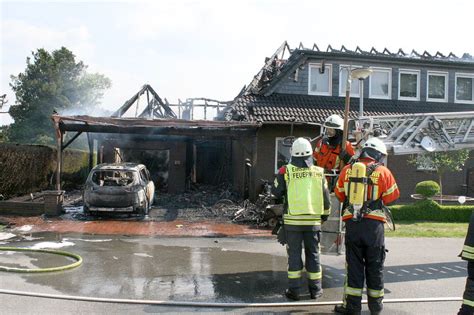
column 113, row 177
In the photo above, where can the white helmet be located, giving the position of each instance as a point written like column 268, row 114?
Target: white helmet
column 335, row 122
column 301, row 147
column 376, row 144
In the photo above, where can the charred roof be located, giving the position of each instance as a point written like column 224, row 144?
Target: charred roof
column 178, row 127
column 286, row 60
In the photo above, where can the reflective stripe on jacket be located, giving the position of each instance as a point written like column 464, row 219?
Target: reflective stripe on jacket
column 305, row 195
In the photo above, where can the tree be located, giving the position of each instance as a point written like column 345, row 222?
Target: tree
column 51, row 82
column 441, row 162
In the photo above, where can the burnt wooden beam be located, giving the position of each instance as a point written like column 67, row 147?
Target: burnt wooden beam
column 72, row 140
column 196, row 131
column 128, row 103
column 59, row 141
column 90, row 142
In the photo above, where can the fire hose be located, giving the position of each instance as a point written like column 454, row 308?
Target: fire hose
column 39, row 270
column 163, row 302
column 216, row 304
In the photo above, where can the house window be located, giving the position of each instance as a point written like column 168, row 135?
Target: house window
column 343, row 70
column 282, row 154
column 464, row 88
column 409, row 85
column 320, row 78
column 380, row 83
column 437, row 87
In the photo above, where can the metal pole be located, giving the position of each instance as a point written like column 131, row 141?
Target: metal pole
column 361, row 97
column 346, row 109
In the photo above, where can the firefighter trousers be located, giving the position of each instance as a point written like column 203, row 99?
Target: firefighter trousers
column 295, row 241
column 365, row 256
column 467, row 307
column 467, row 253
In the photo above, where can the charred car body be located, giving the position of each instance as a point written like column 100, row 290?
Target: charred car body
column 120, row 187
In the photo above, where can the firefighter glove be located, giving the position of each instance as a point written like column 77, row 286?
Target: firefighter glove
column 345, row 156
column 281, row 236
column 277, row 227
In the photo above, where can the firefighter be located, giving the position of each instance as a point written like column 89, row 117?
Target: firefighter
column 467, row 307
column 307, row 204
column 365, row 239
column 328, row 152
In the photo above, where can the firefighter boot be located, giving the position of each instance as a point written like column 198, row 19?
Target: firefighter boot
column 466, row 310
column 341, row 309
column 292, row 294
column 315, row 294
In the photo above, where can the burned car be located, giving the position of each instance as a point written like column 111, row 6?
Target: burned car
column 119, row 187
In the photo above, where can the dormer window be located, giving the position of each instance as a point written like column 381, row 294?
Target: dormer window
column 409, row 85
column 380, row 83
column 320, row 78
column 464, row 88
column 343, row 71
column 437, row 86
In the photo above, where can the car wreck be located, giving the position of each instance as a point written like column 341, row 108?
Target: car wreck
column 118, row 187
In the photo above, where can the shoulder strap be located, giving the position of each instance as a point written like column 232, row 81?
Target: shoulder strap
column 371, row 168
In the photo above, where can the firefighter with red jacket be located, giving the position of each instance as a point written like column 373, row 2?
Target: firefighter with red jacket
column 467, row 307
column 307, row 204
column 328, row 152
column 365, row 238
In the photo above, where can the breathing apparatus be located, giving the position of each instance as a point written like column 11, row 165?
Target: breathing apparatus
column 359, row 177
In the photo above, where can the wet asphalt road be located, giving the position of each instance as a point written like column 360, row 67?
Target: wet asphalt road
column 212, row 270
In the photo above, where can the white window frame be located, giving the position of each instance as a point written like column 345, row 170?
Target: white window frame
column 276, row 152
column 463, row 75
column 328, row 67
column 389, row 70
column 409, row 71
column 342, row 92
column 446, row 83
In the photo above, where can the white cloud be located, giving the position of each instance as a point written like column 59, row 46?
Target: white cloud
column 19, row 38
column 19, row 35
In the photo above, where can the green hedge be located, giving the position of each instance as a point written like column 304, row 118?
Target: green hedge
column 429, row 210
column 31, row 168
column 427, row 188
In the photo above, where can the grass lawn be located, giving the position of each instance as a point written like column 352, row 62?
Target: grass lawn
column 427, row 229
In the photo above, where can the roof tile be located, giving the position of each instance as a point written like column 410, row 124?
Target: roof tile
column 310, row 108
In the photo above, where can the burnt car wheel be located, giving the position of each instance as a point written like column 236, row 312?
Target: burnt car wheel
column 86, row 210
column 145, row 210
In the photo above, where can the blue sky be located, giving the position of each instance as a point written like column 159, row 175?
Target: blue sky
column 212, row 48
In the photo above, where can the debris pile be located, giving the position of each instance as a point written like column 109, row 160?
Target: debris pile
column 214, row 202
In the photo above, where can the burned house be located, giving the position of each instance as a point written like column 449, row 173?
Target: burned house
column 297, row 89
column 293, row 93
column 177, row 152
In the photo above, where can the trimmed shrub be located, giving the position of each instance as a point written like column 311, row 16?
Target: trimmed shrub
column 25, row 168
column 31, row 168
column 427, row 188
column 429, row 210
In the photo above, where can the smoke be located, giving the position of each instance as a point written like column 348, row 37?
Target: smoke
column 94, row 112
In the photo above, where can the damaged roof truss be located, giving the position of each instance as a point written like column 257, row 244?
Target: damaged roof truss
column 155, row 106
